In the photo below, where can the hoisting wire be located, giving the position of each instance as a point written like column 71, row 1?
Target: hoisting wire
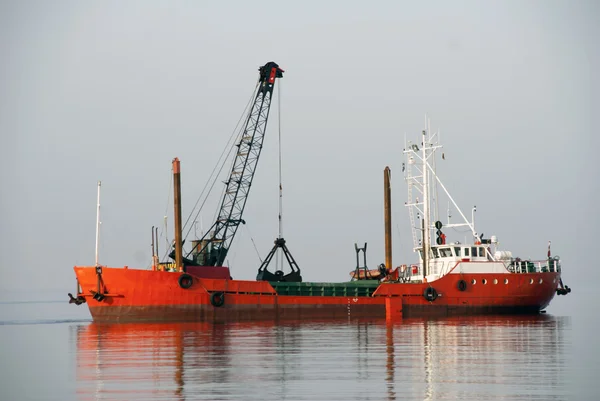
column 253, row 243
column 220, row 161
column 229, row 148
column 280, row 258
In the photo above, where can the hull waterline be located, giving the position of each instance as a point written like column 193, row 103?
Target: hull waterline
column 132, row 295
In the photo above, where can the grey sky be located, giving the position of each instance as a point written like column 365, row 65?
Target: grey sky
column 114, row 90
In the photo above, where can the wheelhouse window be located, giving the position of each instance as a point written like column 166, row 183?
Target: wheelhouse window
column 435, row 252
column 473, row 251
column 445, row 252
column 466, row 251
column 457, row 250
column 482, row 252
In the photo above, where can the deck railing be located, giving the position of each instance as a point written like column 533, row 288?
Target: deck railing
column 534, row 266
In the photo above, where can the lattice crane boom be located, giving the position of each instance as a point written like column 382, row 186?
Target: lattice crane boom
column 216, row 242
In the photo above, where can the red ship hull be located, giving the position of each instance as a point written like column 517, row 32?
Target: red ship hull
column 132, row 295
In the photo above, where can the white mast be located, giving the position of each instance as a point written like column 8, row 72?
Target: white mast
column 426, row 217
column 98, row 221
column 426, row 185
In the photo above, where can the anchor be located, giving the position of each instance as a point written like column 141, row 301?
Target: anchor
column 77, row 301
column 563, row 290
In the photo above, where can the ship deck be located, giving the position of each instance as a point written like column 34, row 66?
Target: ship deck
column 364, row 288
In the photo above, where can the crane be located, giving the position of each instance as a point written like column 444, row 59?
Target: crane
column 212, row 248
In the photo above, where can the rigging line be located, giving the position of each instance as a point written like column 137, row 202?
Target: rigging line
column 227, row 146
column 394, row 213
column 253, row 243
column 161, row 233
column 280, row 184
column 221, row 196
column 214, row 181
column 169, row 193
column 214, row 176
column 280, row 260
column 233, row 136
column 169, row 244
column 164, row 229
column 434, row 171
column 204, row 202
column 399, row 233
column 435, row 186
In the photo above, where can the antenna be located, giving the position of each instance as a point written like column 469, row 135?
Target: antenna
column 473, row 221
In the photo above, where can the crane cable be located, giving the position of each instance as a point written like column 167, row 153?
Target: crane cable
column 228, row 145
column 165, row 230
column 242, row 131
column 253, row 243
column 280, row 258
column 212, row 177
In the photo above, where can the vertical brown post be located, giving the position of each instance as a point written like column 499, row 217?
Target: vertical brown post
column 157, row 257
column 177, row 198
column 387, row 200
column 153, row 252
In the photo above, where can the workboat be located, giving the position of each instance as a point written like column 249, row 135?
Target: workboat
column 449, row 277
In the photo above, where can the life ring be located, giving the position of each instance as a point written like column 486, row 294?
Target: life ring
column 185, row 281
column 217, row 299
column 461, row 285
column 430, row 294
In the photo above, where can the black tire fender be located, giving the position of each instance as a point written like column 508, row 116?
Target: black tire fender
column 430, row 294
column 185, row 281
column 217, row 299
column 461, row 285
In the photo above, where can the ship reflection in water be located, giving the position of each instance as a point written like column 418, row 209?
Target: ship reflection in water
column 475, row 358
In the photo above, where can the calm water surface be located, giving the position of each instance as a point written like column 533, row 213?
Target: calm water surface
column 52, row 351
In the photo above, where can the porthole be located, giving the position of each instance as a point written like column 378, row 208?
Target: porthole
column 473, row 281
column 541, row 281
column 484, row 281
column 505, row 281
column 530, row 281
